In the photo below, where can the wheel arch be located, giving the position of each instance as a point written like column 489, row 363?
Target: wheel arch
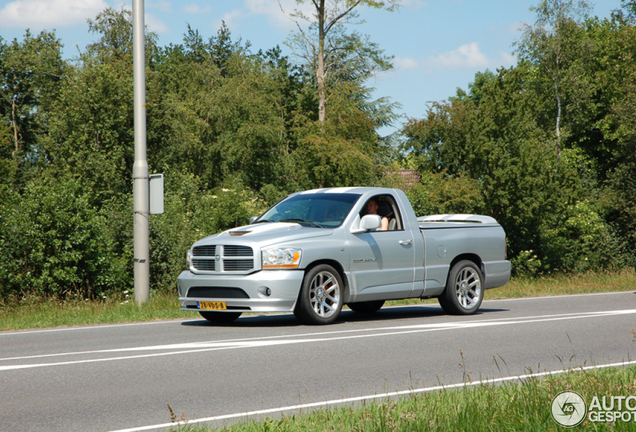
column 476, row 259
column 338, row 267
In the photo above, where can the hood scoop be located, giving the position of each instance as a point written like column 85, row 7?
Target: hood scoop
column 261, row 229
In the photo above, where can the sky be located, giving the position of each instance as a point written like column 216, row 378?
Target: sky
column 437, row 45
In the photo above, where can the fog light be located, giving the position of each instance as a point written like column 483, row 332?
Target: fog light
column 264, row 291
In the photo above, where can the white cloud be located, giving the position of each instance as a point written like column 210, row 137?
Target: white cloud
column 195, row 9
column 229, row 19
column 276, row 17
column 466, row 56
column 161, row 5
column 271, row 9
column 39, row 14
column 405, row 63
column 155, row 24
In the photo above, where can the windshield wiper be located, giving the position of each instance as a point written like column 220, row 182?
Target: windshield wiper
column 264, row 220
column 302, row 221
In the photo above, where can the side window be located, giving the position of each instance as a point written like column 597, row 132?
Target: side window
column 385, row 206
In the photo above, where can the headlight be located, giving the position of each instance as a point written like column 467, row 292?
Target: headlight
column 188, row 258
column 280, row 258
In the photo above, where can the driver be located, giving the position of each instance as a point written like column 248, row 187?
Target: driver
column 372, row 208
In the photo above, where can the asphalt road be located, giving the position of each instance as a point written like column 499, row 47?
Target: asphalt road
column 114, row 377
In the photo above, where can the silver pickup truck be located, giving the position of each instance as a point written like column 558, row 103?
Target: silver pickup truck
column 317, row 250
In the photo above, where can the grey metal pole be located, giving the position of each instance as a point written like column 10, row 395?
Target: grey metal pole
column 140, row 168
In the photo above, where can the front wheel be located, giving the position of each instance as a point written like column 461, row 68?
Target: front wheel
column 321, row 296
column 464, row 292
column 220, row 317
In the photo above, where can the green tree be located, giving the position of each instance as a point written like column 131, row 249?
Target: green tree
column 331, row 53
column 548, row 45
column 492, row 135
column 30, row 75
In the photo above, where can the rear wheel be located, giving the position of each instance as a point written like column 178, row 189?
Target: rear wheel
column 464, row 292
column 220, row 317
column 321, row 295
column 366, row 307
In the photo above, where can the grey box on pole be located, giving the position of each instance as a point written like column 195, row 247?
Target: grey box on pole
column 156, row 193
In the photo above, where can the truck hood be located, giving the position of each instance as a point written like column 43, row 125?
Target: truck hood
column 265, row 233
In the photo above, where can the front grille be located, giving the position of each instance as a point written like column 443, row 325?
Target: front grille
column 238, row 265
column 208, row 258
column 204, row 264
column 237, row 251
column 208, row 250
column 216, row 292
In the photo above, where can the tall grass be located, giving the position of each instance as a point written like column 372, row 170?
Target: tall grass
column 42, row 312
column 512, row 406
column 559, row 284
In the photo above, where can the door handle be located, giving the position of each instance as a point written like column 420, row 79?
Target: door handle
column 405, row 242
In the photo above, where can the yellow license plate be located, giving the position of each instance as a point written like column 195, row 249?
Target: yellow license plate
column 212, row 305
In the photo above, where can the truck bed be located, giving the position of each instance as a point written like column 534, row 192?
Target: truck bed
column 446, row 221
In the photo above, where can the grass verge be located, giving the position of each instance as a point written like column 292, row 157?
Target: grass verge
column 558, row 284
column 39, row 312
column 44, row 312
column 511, row 406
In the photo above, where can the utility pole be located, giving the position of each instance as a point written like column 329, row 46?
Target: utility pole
column 140, row 168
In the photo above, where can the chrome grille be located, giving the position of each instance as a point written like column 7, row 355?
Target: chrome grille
column 237, row 251
column 238, row 265
column 204, row 264
column 208, row 250
column 235, row 258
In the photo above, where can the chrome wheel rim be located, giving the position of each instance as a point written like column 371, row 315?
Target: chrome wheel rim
column 468, row 288
column 324, row 294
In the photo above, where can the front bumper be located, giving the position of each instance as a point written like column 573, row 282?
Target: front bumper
column 284, row 286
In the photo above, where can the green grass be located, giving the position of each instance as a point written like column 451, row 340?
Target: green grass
column 558, row 284
column 511, row 406
column 42, row 312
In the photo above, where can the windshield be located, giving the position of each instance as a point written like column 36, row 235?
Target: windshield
column 323, row 210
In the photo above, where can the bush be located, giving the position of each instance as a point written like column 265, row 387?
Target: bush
column 52, row 242
column 580, row 240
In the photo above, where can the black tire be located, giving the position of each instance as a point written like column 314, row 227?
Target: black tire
column 464, row 289
column 321, row 296
column 220, row 317
column 366, row 307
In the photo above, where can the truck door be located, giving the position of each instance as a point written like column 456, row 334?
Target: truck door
column 382, row 262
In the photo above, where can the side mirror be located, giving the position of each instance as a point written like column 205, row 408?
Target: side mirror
column 252, row 219
column 368, row 222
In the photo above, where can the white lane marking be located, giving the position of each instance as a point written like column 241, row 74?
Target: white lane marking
column 199, row 347
column 324, row 404
column 93, row 327
column 248, row 341
column 105, row 326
